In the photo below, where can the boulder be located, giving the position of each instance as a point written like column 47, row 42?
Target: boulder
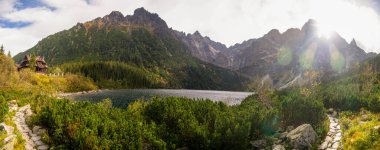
column 283, row 135
column 289, row 128
column 38, row 130
column 259, row 143
column 278, row 147
column 302, row 137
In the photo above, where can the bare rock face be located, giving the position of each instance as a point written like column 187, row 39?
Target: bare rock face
column 285, row 56
column 302, row 137
column 114, row 16
column 278, row 147
column 203, row 47
column 143, row 17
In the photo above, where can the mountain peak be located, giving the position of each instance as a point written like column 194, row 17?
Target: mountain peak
column 141, row 11
column 310, row 26
column 115, row 16
column 310, row 22
column 353, row 42
column 144, row 17
column 274, row 33
column 197, row 33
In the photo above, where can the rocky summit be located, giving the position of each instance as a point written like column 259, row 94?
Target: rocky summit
column 284, row 57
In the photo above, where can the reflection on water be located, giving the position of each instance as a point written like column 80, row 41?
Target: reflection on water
column 121, row 98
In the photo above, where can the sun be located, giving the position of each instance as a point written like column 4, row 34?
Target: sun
column 324, row 30
column 346, row 18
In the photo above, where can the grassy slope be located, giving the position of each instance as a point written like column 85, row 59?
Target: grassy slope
column 361, row 130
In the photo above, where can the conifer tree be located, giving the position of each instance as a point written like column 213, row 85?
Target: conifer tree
column 32, row 61
column 2, row 49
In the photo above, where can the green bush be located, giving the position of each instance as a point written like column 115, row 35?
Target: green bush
column 297, row 109
column 161, row 123
column 373, row 102
column 78, row 83
column 203, row 124
column 343, row 94
column 3, row 108
column 83, row 125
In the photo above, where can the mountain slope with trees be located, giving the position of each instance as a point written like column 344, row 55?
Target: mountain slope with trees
column 143, row 40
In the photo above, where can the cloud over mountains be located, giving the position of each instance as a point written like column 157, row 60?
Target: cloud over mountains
column 24, row 22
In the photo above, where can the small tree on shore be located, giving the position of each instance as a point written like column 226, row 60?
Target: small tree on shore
column 2, row 49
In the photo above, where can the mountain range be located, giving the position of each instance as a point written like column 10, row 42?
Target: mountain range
column 282, row 57
column 196, row 61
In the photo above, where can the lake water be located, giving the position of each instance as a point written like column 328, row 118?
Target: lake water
column 121, row 98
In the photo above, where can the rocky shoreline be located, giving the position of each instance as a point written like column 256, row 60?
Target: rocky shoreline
column 63, row 95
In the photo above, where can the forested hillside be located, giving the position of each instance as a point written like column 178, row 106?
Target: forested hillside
column 143, row 41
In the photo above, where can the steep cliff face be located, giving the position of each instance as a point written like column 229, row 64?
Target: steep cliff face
column 202, row 47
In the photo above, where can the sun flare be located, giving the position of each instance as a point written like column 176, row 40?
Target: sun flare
column 350, row 20
column 324, row 30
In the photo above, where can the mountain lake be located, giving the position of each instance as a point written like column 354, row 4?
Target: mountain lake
column 121, row 98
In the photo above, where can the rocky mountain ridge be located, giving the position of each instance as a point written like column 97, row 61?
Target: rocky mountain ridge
column 279, row 57
column 285, row 57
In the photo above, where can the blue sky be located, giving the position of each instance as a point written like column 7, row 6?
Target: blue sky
column 25, row 22
column 21, row 5
column 377, row 4
column 25, row 4
column 9, row 24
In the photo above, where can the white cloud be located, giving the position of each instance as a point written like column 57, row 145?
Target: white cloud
column 226, row 21
column 232, row 22
column 6, row 6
